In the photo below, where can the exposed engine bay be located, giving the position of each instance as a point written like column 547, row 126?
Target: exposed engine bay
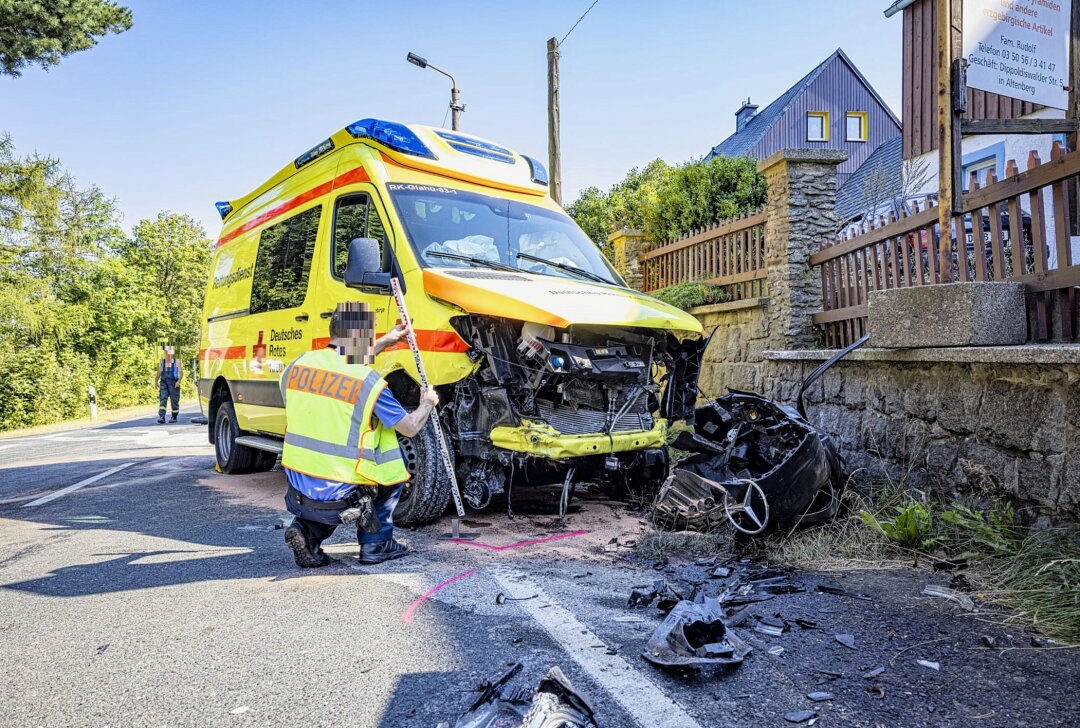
column 582, row 380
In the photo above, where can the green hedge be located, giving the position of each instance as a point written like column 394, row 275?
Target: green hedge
column 687, row 295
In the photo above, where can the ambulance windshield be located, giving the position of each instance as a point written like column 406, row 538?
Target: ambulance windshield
column 454, row 228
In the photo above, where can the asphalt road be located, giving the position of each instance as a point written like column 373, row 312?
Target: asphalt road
column 139, row 587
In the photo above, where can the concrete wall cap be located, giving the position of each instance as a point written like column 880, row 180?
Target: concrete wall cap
column 819, row 156
column 729, row 306
column 1026, row 354
column 624, row 233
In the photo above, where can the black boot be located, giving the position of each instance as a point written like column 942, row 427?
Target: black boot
column 161, row 419
column 380, row 551
column 305, row 556
column 173, row 420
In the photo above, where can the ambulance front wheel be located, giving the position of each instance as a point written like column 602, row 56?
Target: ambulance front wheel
column 232, row 457
column 427, row 492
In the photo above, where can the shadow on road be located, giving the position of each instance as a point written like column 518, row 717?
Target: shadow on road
column 196, row 532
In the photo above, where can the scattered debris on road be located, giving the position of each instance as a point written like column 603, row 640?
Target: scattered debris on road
column 553, row 702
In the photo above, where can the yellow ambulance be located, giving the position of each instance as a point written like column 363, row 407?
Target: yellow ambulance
column 549, row 368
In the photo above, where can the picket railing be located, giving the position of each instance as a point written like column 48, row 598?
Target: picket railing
column 1014, row 229
column 731, row 254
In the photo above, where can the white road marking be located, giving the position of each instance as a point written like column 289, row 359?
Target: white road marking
column 72, row 488
column 643, row 700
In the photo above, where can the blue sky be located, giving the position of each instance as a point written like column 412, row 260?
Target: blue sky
column 201, row 101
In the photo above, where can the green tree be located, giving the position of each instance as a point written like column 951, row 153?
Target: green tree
column 700, row 194
column 626, row 204
column 41, row 32
column 80, row 302
column 172, row 254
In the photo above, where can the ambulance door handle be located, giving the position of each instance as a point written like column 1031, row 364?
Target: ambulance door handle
column 302, row 317
column 326, row 314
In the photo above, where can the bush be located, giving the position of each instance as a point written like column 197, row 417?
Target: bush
column 38, row 386
column 687, row 295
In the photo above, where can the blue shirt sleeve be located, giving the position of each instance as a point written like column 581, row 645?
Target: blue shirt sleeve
column 388, row 409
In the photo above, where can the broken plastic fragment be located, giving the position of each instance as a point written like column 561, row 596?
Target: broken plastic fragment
column 640, row 598
column 820, row 697
column 847, row 640
column 929, row 664
column 873, row 673
column 800, row 716
column 952, row 595
column 555, row 702
column 694, row 635
column 776, row 651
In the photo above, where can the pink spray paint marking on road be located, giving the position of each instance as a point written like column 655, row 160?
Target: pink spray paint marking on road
column 407, row 618
column 530, row 542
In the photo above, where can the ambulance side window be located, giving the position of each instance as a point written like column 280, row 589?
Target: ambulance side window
column 354, row 217
column 283, row 262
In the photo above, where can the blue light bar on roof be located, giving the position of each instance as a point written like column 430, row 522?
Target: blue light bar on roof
column 395, row 136
column 223, row 208
column 477, row 147
column 539, row 173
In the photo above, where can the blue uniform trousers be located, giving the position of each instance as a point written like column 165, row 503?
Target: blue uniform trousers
column 319, row 523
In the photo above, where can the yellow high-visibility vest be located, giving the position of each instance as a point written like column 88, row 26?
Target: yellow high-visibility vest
column 329, row 407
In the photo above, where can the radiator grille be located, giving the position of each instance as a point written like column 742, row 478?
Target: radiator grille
column 569, row 421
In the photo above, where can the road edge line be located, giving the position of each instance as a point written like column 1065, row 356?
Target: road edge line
column 633, row 691
column 72, row 488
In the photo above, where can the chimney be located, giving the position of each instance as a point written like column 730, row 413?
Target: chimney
column 744, row 115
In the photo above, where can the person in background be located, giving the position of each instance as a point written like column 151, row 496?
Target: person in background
column 169, row 373
column 341, row 452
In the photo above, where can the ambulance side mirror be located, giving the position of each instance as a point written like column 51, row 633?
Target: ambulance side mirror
column 363, row 269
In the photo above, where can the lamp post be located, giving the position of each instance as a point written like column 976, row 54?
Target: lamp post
column 456, row 107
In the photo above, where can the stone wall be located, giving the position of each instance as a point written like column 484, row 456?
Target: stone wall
column 974, row 424
column 736, row 354
column 626, row 246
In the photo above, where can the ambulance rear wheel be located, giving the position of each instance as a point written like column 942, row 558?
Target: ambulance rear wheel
column 232, row 457
column 427, row 492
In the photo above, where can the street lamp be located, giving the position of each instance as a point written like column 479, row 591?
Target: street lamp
column 456, row 107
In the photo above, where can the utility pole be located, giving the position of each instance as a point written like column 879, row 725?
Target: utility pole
column 554, row 145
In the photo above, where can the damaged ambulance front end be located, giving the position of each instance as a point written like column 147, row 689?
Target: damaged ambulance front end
column 571, row 375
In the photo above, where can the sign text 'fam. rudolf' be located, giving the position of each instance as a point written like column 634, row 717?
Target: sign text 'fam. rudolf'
column 1019, row 48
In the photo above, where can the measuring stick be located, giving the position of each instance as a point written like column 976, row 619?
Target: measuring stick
column 410, row 335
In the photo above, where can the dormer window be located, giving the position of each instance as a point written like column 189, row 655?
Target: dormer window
column 817, row 126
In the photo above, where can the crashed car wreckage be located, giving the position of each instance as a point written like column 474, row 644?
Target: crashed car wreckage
column 543, row 384
column 755, row 463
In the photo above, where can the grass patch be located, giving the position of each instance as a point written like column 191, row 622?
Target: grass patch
column 660, row 544
column 1040, row 581
column 849, row 541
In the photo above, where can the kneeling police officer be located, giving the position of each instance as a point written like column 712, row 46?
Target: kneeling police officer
column 341, row 450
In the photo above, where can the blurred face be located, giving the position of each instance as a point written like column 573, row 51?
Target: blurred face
column 357, row 344
column 169, row 353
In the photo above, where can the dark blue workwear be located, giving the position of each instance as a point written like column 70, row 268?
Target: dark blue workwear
column 318, row 524
column 169, row 389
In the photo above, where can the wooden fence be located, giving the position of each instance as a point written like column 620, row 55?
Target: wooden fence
column 731, row 254
column 1007, row 235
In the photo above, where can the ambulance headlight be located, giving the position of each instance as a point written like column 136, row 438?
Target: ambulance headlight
column 398, row 137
